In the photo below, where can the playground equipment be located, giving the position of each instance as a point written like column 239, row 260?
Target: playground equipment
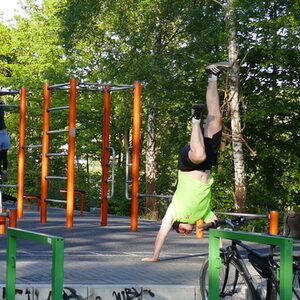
column 106, row 88
column 8, row 210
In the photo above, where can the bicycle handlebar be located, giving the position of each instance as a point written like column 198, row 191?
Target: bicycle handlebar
column 233, row 223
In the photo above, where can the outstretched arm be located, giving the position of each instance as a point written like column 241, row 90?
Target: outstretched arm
column 165, row 227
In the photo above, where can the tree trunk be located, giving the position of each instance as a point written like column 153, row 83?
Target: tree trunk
column 237, row 145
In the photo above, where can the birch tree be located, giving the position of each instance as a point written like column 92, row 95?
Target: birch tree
column 234, row 103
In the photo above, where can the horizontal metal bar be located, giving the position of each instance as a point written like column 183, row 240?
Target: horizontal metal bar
column 91, row 89
column 103, row 84
column 100, row 86
column 9, row 92
column 58, row 108
column 57, row 131
column 56, row 200
column 5, row 214
column 33, row 146
column 56, row 154
column 56, row 177
column 9, row 185
column 155, row 196
column 9, row 106
column 59, row 85
column 34, row 236
column 121, row 88
column 239, row 214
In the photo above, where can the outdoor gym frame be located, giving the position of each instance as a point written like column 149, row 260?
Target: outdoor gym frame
column 21, row 158
column 106, row 88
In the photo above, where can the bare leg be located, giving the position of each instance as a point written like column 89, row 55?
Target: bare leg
column 197, row 152
column 214, row 118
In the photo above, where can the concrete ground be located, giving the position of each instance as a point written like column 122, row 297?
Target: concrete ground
column 105, row 262
column 105, row 256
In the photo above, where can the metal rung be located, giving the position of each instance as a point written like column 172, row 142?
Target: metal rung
column 33, row 146
column 58, row 108
column 56, row 200
column 59, row 85
column 56, row 154
column 155, row 196
column 57, row 131
column 9, row 185
column 9, row 106
column 56, row 177
column 6, row 214
column 121, row 88
column 9, row 92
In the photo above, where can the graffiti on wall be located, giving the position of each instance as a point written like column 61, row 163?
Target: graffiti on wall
column 70, row 293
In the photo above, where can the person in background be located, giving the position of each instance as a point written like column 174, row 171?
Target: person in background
column 4, row 145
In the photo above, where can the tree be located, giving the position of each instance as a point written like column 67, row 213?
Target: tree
column 234, row 102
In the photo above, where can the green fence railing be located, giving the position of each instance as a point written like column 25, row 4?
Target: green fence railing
column 57, row 244
column 286, row 255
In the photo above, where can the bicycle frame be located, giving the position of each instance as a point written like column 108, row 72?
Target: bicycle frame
column 226, row 255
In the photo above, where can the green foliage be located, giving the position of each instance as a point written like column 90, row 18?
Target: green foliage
column 164, row 44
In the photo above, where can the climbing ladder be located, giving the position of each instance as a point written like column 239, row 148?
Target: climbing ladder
column 70, row 177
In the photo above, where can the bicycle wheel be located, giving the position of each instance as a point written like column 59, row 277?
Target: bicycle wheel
column 236, row 284
column 296, row 284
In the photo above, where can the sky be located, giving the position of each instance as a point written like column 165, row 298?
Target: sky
column 8, row 7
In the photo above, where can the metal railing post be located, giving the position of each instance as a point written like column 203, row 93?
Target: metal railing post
column 136, row 141
column 45, row 158
column 71, row 155
column 57, row 244
column 21, row 153
column 105, row 156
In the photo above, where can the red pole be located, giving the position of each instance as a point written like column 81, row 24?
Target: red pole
column 136, row 126
column 45, row 150
column 71, row 155
column 21, row 154
column 105, row 156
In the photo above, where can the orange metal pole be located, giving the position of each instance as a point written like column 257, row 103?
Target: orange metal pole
column 273, row 230
column 136, row 126
column 45, row 150
column 105, row 155
column 12, row 218
column 199, row 231
column 3, row 222
column 71, row 155
column 21, row 154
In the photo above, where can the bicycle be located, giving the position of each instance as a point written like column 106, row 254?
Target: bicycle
column 236, row 280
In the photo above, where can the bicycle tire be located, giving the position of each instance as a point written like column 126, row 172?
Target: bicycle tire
column 239, row 290
column 296, row 284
